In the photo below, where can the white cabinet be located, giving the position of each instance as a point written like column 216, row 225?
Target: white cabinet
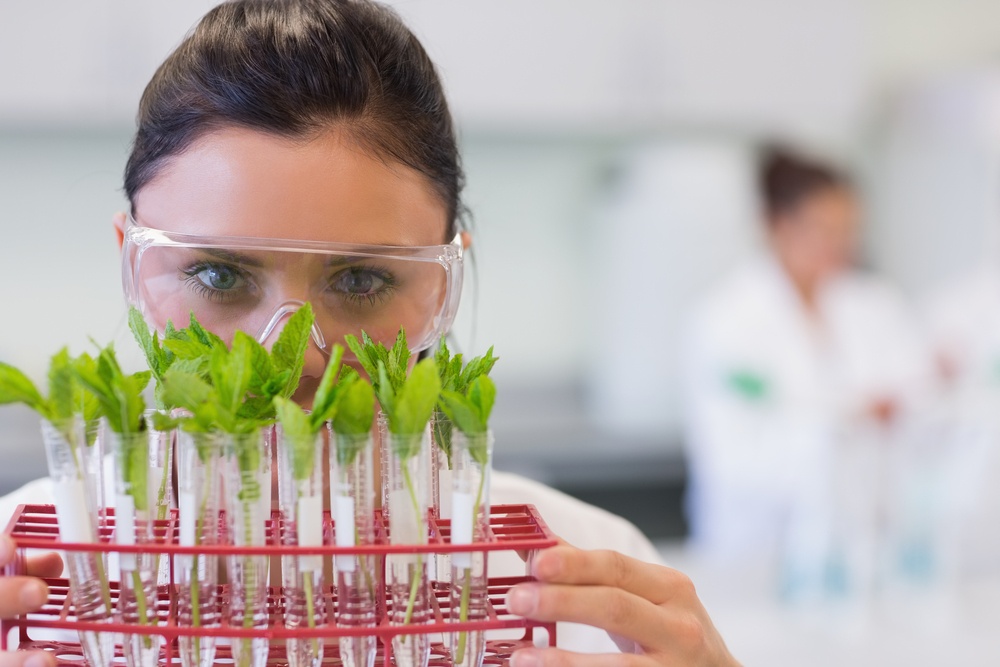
column 644, row 64
column 68, row 62
column 587, row 65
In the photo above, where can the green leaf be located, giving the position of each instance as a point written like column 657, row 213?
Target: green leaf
column 61, row 386
column 398, row 360
column 456, row 381
column 165, row 422
column 450, row 368
column 415, row 401
column 363, row 354
column 119, row 395
column 135, row 463
column 356, row 407
column 483, row 394
column 443, row 429
column 299, row 436
column 203, row 336
column 257, row 409
column 325, row 400
column 147, row 341
column 477, row 367
column 461, row 410
column 263, row 371
column 288, row 352
column 275, row 385
column 198, row 366
column 186, row 390
column 384, row 390
column 15, row 387
column 86, row 403
column 371, row 354
column 232, row 371
column 185, row 348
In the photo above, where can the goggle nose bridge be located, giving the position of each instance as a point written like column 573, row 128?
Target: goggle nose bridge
column 287, row 309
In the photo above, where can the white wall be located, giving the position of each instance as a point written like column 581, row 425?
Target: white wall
column 551, row 96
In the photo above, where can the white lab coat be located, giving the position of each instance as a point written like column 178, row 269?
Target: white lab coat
column 963, row 319
column 574, row 521
column 775, row 419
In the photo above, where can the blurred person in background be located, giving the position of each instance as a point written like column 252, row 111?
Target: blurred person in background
column 963, row 318
column 799, row 368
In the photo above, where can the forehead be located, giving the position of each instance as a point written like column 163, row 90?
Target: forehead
column 830, row 203
column 240, row 182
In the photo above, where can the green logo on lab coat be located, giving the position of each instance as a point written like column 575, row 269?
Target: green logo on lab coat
column 751, row 386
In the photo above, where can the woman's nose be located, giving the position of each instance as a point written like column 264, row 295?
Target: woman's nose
column 273, row 327
column 312, row 372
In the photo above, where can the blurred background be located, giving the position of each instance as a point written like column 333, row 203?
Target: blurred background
column 611, row 151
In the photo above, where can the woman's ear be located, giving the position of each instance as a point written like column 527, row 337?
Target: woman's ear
column 466, row 240
column 119, row 222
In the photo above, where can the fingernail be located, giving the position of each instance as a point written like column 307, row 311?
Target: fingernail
column 522, row 658
column 40, row 659
column 34, row 593
column 522, row 600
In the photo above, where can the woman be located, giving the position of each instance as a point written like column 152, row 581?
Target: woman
column 323, row 123
column 799, row 367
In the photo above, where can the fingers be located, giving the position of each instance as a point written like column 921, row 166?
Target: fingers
column 526, row 555
column 20, row 595
column 45, row 565
column 42, row 565
column 611, row 609
column 567, row 565
column 27, row 659
column 554, row 657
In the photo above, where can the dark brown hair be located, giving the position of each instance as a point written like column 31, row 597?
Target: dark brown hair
column 785, row 178
column 294, row 68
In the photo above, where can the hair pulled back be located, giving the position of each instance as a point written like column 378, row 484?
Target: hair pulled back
column 295, row 68
column 787, row 178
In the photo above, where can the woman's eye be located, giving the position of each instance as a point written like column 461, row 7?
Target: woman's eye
column 216, row 277
column 359, row 282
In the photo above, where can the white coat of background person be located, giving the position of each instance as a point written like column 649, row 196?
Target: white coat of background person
column 963, row 319
column 798, row 372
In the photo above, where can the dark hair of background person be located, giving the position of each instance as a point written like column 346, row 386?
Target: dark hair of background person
column 786, row 178
column 296, row 68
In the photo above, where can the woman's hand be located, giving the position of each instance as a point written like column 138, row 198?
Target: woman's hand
column 651, row 611
column 20, row 595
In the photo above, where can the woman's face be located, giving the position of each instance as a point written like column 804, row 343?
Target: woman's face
column 239, row 182
column 816, row 239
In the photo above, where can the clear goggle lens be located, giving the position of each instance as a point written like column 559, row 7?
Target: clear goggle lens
column 253, row 285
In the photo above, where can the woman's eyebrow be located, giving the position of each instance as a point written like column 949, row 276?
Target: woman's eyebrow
column 234, row 257
column 346, row 260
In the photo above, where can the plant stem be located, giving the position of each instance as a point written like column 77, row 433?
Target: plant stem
column 195, row 602
column 363, row 562
column 161, row 495
column 415, row 575
column 463, row 614
column 102, row 575
column 195, row 583
column 140, row 602
column 310, row 607
column 250, row 584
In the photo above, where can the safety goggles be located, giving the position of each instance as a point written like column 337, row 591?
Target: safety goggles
column 253, row 284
